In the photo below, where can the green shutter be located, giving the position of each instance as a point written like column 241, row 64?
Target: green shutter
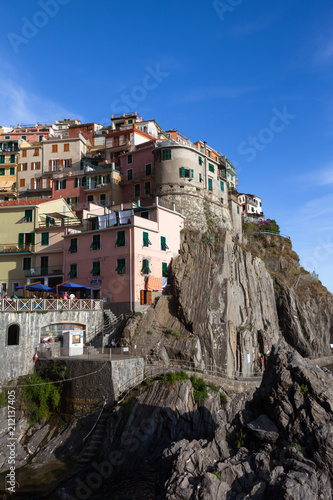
column 146, row 241
column 200, row 178
column 12, row 171
column 182, row 172
column 210, row 184
column 200, row 160
column 121, row 268
column 2, row 158
column 45, row 238
column 164, row 246
column 21, row 239
column 33, row 238
column 192, row 174
column 211, row 167
column 76, row 182
column 96, row 270
column 120, row 242
column 164, row 270
column 88, row 182
column 222, row 185
column 145, row 266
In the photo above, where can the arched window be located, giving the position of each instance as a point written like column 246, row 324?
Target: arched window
column 13, row 336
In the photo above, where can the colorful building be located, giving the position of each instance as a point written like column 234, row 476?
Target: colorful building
column 123, row 255
column 138, row 173
column 31, row 241
column 9, row 154
column 251, row 206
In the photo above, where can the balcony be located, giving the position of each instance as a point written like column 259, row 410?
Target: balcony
column 43, row 271
column 59, row 222
column 16, row 248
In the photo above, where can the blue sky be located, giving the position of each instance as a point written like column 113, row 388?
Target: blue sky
column 252, row 78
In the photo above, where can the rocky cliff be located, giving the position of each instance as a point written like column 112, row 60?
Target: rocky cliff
column 280, row 446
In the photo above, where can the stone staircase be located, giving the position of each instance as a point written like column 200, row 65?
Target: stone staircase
column 95, row 441
column 90, row 350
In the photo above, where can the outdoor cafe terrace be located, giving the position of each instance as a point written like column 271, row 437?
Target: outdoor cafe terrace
column 45, row 305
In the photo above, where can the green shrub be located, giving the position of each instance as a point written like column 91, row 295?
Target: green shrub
column 199, row 389
column 138, row 314
column 149, row 332
column 172, row 377
column 304, row 388
column 217, row 475
column 241, row 438
column 223, row 399
column 169, row 331
column 213, row 388
column 297, row 447
column 41, row 400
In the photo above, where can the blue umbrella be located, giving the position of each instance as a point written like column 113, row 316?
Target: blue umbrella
column 35, row 288
column 67, row 286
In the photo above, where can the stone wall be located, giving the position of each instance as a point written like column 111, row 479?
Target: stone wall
column 17, row 360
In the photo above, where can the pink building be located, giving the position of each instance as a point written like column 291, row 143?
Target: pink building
column 251, row 206
column 123, row 255
column 137, row 168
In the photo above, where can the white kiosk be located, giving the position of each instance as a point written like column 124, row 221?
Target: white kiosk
column 72, row 342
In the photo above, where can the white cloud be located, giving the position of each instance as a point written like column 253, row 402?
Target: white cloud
column 19, row 106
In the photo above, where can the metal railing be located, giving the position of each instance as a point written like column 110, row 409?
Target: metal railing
column 41, row 305
column 43, row 271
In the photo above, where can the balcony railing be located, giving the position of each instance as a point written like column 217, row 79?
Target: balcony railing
column 38, row 305
column 59, row 223
column 15, row 248
column 43, row 271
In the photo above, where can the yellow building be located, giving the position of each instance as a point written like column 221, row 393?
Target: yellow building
column 9, row 150
column 31, row 242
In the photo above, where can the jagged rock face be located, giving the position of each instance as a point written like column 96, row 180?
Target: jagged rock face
column 306, row 325
column 226, row 298
column 279, row 447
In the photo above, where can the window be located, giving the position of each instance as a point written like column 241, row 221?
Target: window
column 90, row 198
column 14, row 286
column 148, row 169
column 209, row 154
column 24, row 167
column 260, row 204
column 210, row 184
column 222, row 185
column 147, row 187
column 66, row 147
column 145, row 267
column 2, row 171
column 211, row 167
column 13, row 335
column 45, row 238
column 12, row 159
column 24, row 137
column 24, row 153
column 73, row 246
column 120, row 241
column 96, row 269
column 49, row 221
column 96, row 242
column 200, row 160
column 12, row 171
column 164, row 246
column 130, row 121
column 67, row 163
column 200, row 178
column 72, row 271
column 44, row 265
column 145, row 215
column 102, row 199
column 146, row 241
column 129, row 174
column 40, row 138
column 238, row 209
column 2, row 158
column 137, row 190
column 7, row 136
column 28, row 215
column 121, row 266
column 26, row 264
column 54, row 148
column 35, row 165
column 129, row 159
column 165, row 270
column 186, row 172
column 36, row 152
column 166, row 154
column 22, row 183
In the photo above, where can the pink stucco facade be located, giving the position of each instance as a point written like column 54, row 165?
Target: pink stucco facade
column 137, row 169
column 108, row 248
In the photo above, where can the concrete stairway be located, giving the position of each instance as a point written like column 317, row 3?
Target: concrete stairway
column 95, row 441
column 90, row 350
